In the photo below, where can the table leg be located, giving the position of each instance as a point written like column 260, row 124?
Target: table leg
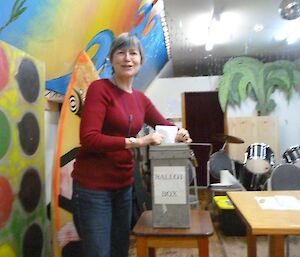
column 141, row 247
column 276, row 246
column 251, row 244
column 203, row 247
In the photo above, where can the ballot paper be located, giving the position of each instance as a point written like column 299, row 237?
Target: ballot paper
column 169, row 133
column 278, row 202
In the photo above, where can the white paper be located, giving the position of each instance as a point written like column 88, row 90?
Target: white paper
column 169, row 133
column 278, row 202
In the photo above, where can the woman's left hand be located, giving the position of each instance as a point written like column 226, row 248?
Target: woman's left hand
column 183, row 136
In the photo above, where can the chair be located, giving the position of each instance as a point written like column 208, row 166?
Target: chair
column 193, row 196
column 191, row 166
column 285, row 177
column 220, row 161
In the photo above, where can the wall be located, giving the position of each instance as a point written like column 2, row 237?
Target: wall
column 55, row 33
column 286, row 113
column 166, row 95
column 166, row 92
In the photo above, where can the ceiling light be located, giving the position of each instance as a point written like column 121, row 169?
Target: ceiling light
column 258, row 27
column 289, row 9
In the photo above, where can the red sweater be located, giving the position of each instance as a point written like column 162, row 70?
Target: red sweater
column 109, row 116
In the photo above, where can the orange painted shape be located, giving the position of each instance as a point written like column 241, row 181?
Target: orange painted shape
column 68, row 139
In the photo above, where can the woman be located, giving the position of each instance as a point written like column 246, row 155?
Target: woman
column 103, row 171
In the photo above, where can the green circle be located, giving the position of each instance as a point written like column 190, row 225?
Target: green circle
column 5, row 134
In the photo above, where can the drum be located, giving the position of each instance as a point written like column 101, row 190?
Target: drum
column 292, row 155
column 254, row 182
column 259, row 158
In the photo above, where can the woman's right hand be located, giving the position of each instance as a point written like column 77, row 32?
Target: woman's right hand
column 152, row 139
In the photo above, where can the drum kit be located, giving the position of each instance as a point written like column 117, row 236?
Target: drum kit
column 258, row 165
column 220, row 160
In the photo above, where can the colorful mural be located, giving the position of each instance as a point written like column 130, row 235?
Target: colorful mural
column 57, row 31
column 23, row 221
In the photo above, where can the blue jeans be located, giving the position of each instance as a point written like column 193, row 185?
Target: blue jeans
column 103, row 220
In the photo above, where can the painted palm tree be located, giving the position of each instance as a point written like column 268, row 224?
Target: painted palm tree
column 17, row 9
column 246, row 76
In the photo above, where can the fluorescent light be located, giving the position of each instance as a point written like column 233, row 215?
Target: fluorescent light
column 197, row 29
column 211, row 30
column 209, row 46
column 230, row 20
column 219, row 33
column 221, row 29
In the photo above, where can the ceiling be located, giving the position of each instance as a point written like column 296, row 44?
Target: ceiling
column 190, row 28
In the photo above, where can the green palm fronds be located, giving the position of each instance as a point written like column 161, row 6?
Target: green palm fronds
column 17, row 9
column 246, row 76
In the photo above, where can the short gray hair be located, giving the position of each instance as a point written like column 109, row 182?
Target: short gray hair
column 126, row 40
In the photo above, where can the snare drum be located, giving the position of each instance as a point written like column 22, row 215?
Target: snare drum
column 292, row 155
column 259, row 158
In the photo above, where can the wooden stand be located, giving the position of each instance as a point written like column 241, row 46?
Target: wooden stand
column 148, row 238
column 261, row 129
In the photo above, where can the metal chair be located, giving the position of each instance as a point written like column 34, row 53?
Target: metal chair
column 285, row 177
column 217, row 162
column 193, row 196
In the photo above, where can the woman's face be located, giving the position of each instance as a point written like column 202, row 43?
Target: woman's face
column 126, row 62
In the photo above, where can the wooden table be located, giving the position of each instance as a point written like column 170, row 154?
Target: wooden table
column 148, row 238
column 275, row 223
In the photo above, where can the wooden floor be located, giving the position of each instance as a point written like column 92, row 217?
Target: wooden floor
column 221, row 245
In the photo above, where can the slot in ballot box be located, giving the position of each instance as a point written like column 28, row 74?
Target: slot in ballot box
column 170, row 185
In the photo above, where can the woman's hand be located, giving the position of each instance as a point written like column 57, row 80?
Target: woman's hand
column 157, row 138
column 183, row 136
column 153, row 139
column 150, row 139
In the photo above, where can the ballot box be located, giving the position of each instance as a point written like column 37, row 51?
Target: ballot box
column 170, row 185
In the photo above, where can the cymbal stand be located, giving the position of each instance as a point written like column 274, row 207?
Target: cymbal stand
column 204, row 144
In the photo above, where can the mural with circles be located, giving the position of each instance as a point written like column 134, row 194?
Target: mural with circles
column 22, row 206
